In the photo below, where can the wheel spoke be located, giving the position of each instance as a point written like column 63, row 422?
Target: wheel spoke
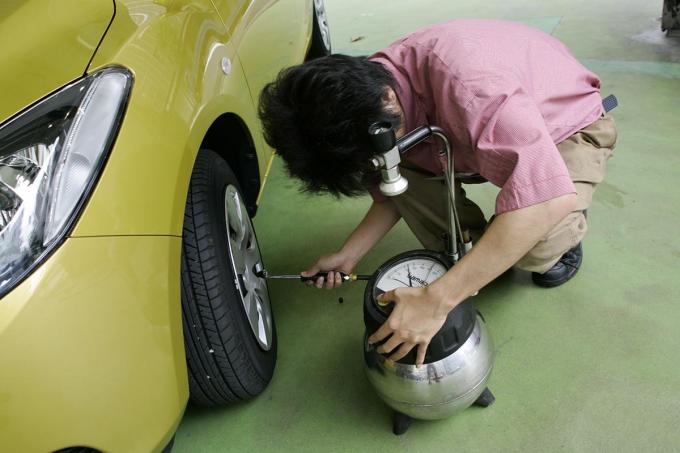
column 234, row 215
column 263, row 323
column 247, row 239
column 262, row 328
column 237, row 257
column 244, row 256
column 250, row 303
column 235, row 229
column 238, row 219
column 257, row 317
column 261, row 289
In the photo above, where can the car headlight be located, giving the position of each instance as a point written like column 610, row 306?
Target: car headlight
column 50, row 158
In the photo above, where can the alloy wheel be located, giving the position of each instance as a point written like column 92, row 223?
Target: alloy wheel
column 322, row 21
column 245, row 259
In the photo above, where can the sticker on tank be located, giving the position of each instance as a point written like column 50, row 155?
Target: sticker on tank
column 415, row 272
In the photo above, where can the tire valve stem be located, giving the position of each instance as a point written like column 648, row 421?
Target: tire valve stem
column 259, row 270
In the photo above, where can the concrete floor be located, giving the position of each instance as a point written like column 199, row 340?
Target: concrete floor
column 590, row 366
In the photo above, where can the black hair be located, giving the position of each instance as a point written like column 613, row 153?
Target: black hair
column 316, row 116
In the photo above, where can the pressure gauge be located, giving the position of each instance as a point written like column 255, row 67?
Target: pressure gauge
column 413, row 269
column 417, row 268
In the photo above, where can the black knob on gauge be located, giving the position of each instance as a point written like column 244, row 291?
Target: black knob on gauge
column 382, row 136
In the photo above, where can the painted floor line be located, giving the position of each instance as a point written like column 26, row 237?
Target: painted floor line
column 656, row 68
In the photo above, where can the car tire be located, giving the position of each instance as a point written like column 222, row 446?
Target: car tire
column 321, row 37
column 229, row 331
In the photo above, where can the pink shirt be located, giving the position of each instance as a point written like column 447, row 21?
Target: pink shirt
column 505, row 94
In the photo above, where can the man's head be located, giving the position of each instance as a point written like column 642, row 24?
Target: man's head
column 316, row 116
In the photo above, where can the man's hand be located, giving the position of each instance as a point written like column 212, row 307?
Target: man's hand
column 416, row 317
column 419, row 313
column 379, row 219
column 329, row 263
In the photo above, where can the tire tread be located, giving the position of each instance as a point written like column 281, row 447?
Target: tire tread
column 227, row 374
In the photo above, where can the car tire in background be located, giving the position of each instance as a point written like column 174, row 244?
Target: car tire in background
column 229, row 331
column 321, row 34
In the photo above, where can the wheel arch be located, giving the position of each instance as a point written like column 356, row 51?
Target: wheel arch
column 229, row 136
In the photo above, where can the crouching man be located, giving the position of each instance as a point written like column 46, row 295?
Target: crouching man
column 519, row 110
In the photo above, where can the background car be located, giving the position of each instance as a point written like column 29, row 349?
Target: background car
column 131, row 161
column 670, row 16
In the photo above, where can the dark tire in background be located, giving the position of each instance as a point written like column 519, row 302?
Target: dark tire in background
column 229, row 331
column 321, row 35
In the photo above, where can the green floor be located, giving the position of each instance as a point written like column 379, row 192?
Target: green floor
column 591, row 366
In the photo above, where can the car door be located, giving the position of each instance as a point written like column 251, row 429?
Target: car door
column 231, row 12
column 270, row 36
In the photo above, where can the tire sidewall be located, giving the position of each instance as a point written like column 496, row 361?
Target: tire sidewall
column 220, row 177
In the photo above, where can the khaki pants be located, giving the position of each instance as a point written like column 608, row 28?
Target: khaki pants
column 424, row 205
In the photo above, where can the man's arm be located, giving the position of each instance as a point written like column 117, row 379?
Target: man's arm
column 379, row 219
column 420, row 312
column 509, row 237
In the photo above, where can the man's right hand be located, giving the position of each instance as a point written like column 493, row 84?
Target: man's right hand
column 331, row 264
column 375, row 224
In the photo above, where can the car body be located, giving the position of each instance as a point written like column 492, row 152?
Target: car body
column 91, row 348
column 670, row 16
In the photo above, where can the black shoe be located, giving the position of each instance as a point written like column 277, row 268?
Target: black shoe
column 562, row 271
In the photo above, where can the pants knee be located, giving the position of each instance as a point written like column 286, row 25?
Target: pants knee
column 562, row 238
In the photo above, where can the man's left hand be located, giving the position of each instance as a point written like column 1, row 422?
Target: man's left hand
column 416, row 317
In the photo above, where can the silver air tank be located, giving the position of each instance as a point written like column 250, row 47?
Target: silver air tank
column 459, row 358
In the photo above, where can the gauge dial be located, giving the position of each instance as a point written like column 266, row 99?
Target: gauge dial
column 411, row 272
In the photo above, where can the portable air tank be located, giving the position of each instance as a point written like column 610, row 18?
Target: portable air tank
column 459, row 358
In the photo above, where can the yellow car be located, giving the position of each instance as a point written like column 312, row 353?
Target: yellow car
column 131, row 160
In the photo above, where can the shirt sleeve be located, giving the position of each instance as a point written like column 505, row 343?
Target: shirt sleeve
column 513, row 149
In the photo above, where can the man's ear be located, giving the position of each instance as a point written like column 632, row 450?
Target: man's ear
column 391, row 104
column 389, row 98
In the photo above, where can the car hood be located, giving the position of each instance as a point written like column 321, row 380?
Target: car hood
column 45, row 44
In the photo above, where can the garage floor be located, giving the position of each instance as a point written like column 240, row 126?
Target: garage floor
column 591, row 366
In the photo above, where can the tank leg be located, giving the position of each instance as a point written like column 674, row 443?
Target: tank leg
column 486, row 399
column 401, row 423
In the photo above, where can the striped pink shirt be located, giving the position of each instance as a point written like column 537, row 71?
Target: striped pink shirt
column 505, row 94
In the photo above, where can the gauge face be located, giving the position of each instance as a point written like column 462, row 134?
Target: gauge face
column 411, row 272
